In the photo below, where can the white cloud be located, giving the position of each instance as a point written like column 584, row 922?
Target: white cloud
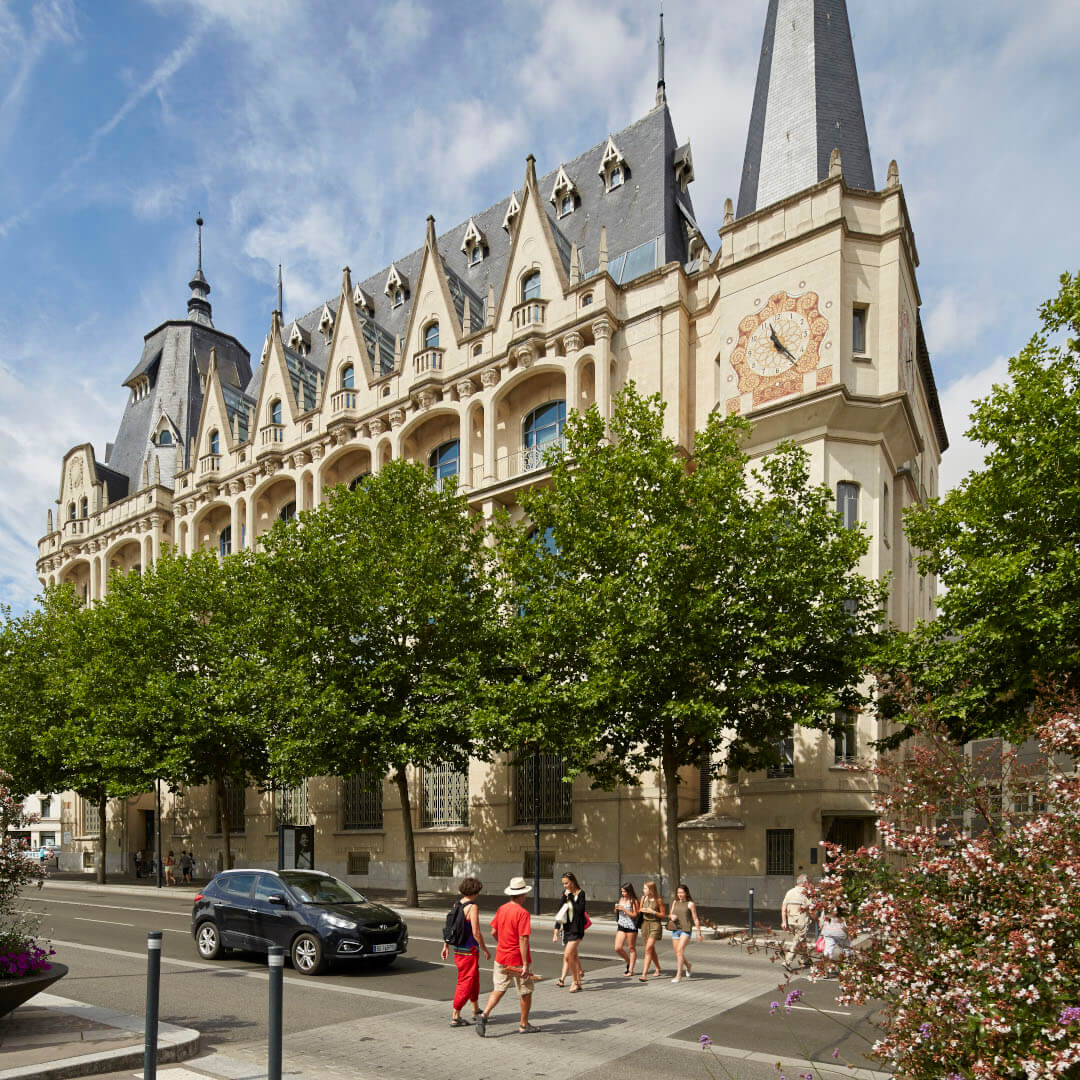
column 955, row 321
column 956, row 399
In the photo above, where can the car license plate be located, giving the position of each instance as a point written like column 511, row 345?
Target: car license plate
column 391, row 947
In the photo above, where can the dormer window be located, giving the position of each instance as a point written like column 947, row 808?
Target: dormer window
column 397, row 286
column 165, row 438
column 474, row 244
column 363, row 301
column 326, row 322
column 275, row 411
column 513, row 208
column 683, row 163
column 613, row 170
column 300, row 339
column 214, row 443
column 431, row 336
column 530, row 286
column 564, row 193
column 347, row 376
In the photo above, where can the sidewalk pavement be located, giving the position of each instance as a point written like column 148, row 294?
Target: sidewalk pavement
column 54, row 1037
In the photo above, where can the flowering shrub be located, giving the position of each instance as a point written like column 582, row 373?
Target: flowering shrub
column 971, row 939
column 19, row 953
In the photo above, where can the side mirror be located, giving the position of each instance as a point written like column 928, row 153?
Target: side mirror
column 276, row 898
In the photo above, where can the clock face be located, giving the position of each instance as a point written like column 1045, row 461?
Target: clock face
column 778, row 343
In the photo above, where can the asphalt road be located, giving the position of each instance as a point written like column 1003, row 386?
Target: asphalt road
column 102, row 938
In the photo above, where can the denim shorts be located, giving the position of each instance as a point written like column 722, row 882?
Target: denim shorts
column 681, row 933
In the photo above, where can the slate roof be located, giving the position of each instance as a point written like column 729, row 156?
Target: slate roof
column 806, row 103
column 642, row 210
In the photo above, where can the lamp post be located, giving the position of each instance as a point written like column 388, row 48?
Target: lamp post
column 157, row 818
column 536, row 831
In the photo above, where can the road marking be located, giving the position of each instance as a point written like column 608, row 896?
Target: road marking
column 810, row 1008
column 111, row 907
column 295, row 980
column 535, row 949
column 106, row 922
column 791, row 1063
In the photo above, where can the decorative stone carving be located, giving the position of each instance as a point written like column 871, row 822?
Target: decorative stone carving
column 318, row 450
column 572, row 341
column 376, row 426
column 465, row 389
column 601, row 329
column 397, row 417
column 489, row 377
column 525, row 355
column 425, row 399
column 251, row 479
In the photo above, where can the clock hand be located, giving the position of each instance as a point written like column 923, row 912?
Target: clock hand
column 780, row 346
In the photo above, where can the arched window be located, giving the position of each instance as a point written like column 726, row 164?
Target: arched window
column 356, row 481
column 542, row 428
column 225, row 541
column 84, row 507
column 288, row 511
column 443, row 461
column 215, row 443
column 275, row 411
column 431, row 336
column 530, row 286
column 71, row 511
column 165, row 438
column 347, row 377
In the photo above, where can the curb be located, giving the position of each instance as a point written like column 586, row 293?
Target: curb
column 174, row 1044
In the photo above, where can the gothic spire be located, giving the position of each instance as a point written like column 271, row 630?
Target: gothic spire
column 661, row 89
column 198, row 306
column 806, row 104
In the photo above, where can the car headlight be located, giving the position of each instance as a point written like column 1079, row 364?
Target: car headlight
column 338, row 921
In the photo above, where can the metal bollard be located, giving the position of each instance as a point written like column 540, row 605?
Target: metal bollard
column 153, row 987
column 276, row 963
column 751, row 913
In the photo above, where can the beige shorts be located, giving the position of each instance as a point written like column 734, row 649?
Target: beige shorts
column 505, row 977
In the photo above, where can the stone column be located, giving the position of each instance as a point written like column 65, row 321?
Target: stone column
column 234, row 518
column 602, row 332
column 572, row 346
column 249, row 527
column 489, row 377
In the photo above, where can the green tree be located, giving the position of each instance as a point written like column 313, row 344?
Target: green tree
column 689, row 613
column 384, row 606
column 203, row 692
column 1005, row 545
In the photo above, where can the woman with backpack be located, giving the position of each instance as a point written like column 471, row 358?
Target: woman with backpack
column 462, row 933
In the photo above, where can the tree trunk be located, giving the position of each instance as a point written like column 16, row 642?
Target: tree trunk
column 99, row 870
column 670, row 770
column 412, row 896
column 223, row 819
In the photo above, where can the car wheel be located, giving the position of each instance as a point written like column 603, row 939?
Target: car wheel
column 208, row 941
column 307, row 954
column 382, row 961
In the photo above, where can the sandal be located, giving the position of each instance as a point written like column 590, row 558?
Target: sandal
column 643, row 979
column 576, row 988
column 527, row 1029
column 560, row 983
column 459, row 1021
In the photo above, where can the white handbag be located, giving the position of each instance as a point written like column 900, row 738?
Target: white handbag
column 564, row 914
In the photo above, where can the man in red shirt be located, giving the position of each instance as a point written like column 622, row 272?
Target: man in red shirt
column 513, row 957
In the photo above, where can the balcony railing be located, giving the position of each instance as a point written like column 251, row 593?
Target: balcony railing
column 428, row 360
column 342, row 401
column 209, row 463
column 527, row 460
column 531, row 314
column 273, row 434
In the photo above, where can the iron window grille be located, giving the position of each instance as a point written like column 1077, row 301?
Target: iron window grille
column 539, row 785
column 444, row 797
column 528, row 865
column 440, row 864
column 91, row 817
column 780, row 851
column 291, row 805
column 705, row 788
column 359, row 863
column 361, row 800
column 236, row 801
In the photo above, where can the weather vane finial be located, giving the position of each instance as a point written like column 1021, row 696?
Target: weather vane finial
column 199, row 224
column 661, row 90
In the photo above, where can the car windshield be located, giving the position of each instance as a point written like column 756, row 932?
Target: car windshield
column 319, row 889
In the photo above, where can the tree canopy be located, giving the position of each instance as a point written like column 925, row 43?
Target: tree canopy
column 689, row 612
column 1005, row 545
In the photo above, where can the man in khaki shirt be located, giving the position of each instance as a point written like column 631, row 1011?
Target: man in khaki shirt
column 795, row 918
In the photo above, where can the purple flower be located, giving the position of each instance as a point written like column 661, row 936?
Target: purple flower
column 773, row 1006
column 705, row 1041
column 836, row 1053
column 1069, row 1015
column 924, row 1032
column 790, row 1000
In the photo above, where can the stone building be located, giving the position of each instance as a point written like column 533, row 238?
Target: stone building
column 467, row 353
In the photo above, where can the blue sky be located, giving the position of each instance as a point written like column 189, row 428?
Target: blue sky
column 322, row 134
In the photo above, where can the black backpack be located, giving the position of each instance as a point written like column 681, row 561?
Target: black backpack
column 456, row 928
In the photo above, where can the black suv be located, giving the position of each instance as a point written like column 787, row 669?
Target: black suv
column 312, row 915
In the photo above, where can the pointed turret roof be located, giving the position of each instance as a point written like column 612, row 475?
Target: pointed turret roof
column 198, row 305
column 806, row 103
